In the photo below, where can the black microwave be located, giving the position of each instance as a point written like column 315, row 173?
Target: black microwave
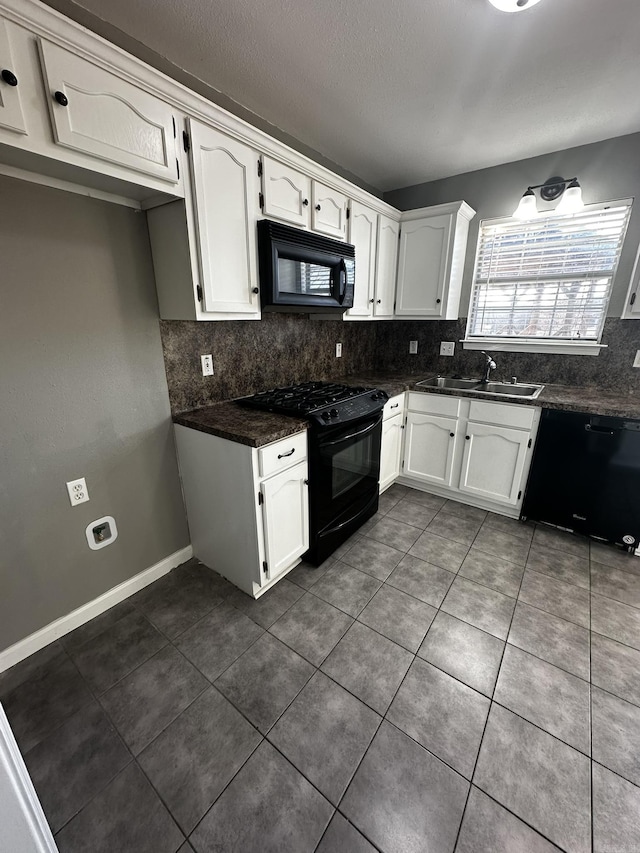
column 302, row 271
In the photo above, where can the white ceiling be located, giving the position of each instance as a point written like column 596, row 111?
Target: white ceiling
column 408, row 91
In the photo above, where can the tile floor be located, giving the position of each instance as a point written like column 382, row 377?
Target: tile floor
column 449, row 680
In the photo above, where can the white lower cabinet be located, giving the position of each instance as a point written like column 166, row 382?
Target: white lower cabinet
column 250, row 526
column 391, row 447
column 475, row 451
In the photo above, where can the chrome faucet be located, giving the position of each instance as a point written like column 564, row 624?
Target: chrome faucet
column 488, row 367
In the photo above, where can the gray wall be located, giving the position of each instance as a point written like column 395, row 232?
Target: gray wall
column 82, row 393
column 607, row 170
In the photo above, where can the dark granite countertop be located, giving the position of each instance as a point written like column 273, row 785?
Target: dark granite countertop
column 246, row 426
column 563, row 397
column 254, row 428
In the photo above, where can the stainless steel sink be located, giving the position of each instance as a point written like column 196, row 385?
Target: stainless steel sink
column 494, row 389
column 447, row 382
column 517, row 390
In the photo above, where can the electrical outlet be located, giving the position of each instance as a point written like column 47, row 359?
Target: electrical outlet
column 413, row 347
column 636, row 360
column 78, row 492
column 447, row 347
column 207, row 365
column 338, row 350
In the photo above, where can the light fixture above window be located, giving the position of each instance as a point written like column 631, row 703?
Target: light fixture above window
column 553, row 188
column 513, row 5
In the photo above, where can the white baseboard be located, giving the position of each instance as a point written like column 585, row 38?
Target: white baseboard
column 38, row 640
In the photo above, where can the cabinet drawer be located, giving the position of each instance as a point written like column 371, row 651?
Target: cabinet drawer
column 393, row 406
column 503, row 414
column 281, row 454
column 434, row 404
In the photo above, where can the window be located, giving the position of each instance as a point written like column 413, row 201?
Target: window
column 547, row 280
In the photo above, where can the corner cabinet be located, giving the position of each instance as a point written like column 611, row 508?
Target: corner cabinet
column 631, row 309
column 205, row 247
column 248, row 508
column 473, row 450
column 433, row 244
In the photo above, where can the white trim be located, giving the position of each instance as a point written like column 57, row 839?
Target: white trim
column 458, row 208
column 545, row 345
column 23, row 825
column 38, row 640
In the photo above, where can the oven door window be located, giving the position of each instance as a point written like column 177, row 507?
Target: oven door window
column 304, row 278
column 354, row 463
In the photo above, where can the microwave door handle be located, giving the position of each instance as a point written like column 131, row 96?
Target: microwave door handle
column 351, row 435
column 343, row 280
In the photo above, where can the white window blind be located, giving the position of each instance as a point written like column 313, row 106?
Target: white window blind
column 547, row 278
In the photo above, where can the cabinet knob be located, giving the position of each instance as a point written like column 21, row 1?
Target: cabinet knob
column 318, row 207
column 467, row 437
column 378, row 301
column 9, row 77
column 372, row 300
column 61, row 98
column 306, row 202
column 255, row 290
column 438, row 301
column 452, row 434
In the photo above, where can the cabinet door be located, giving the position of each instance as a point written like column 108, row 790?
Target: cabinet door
column 286, row 193
column 632, row 305
column 329, row 214
column 386, row 266
column 226, row 194
column 391, row 450
column 106, row 117
column 363, row 226
column 285, row 517
column 493, row 462
column 422, row 266
column 429, row 446
column 11, row 115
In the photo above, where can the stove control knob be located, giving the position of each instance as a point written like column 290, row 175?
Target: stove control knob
column 325, row 416
column 334, row 413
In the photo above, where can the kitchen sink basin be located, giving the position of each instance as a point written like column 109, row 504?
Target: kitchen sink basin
column 448, row 382
column 498, row 389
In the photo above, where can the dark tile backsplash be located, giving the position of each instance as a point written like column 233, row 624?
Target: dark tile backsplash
column 249, row 356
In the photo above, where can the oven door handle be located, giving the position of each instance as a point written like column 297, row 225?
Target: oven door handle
column 352, row 435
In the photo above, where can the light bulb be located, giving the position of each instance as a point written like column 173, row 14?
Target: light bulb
column 513, row 5
column 571, row 201
column 528, row 207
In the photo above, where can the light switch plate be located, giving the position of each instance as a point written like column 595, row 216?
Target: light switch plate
column 413, row 347
column 447, row 347
column 636, row 360
column 338, row 350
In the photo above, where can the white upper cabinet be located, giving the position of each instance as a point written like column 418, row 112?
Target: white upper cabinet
column 386, row 266
column 286, row 193
column 11, row 114
column 99, row 114
column 329, row 211
column 631, row 309
column 226, row 190
column 363, row 233
column 431, row 260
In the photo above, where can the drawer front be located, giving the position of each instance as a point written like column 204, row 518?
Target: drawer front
column 503, row 414
column 393, row 406
column 281, row 454
column 434, row 404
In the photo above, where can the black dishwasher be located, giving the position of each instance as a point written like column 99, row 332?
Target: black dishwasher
column 585, row 476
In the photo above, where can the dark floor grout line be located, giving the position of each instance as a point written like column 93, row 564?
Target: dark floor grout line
column 590, row 715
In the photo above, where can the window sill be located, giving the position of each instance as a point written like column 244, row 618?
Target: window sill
column 524, row 345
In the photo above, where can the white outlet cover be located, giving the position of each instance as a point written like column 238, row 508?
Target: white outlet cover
column 78, row 492
column 207, row 365
column 447, row 347
column 636, row 360
column 338, row 350
column 413, row 347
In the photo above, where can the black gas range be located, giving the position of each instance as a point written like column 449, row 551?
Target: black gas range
column 344, row 455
